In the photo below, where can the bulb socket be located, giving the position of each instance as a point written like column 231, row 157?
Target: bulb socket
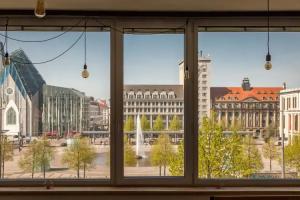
column 268, row 57
column 84, row 66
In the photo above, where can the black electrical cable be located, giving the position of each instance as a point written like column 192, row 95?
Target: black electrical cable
column 85, row 43
column 6, row 43
column 52, row 59
column 268, row 27
column 44, row 40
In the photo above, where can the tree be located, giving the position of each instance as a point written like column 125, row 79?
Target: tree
column 292, row 154
column 129, row 124
column 129, row 154
column 252, row 158
column 37, row 157
column 29, row 160
column 211, row 149
column 158, row 124
column 44, row 154
column 6, row 153
column 225, row 155
column 79, row 155
column 175, row 124
column 270, row 151
column 176, row 167
column 162, row 152
column 145, row 124
column 270, row 131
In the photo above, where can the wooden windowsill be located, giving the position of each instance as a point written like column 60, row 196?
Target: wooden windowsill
column 156, row 190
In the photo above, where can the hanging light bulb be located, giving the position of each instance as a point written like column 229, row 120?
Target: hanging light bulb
column 85, row 73
column 268, row 64
column 6, row 59
column 40, row 10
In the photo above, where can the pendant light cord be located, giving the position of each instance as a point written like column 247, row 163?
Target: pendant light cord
column 6, row 25
column 268, row 26
column 85, row 42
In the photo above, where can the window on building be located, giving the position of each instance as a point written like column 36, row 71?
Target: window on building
column 11, row 116
column 150, row 154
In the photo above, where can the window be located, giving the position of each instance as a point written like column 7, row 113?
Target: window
column 251, row 123
column 11, row 116
column 80, row 103
column 52, row 112
column 149, row 139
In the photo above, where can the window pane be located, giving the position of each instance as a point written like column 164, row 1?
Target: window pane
column 241, row 136
column 55, row 124
column 153, row 105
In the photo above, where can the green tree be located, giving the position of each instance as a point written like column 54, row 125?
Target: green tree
column 176, row 164
column 158, row 124
column 44, row 154
column 145, row 124
column 129, row 124
column 270, row 131
column 175, row 124
column 225, row 155
column 37, row 157
column 292, row 154
column 29, row 160
column 252, row 158
column 129, row 154
column 233, row 160
column 161, row 153
column 79, row 155
column 270, row 151
column 211, row 147
column 6, row 153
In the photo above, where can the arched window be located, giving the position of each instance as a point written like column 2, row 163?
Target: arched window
column 11, row 117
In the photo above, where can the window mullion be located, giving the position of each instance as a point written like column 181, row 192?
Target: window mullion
column 190, row 90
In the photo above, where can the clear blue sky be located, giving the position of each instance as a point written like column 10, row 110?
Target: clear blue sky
column 153, row 59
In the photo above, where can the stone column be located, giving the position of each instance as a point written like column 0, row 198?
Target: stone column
column 253, row 118
column 298, row 122
column 151, row 120
column 260, row 119
column 247, row 118
column 226, row 118
column 167, row 122
column 268, row 118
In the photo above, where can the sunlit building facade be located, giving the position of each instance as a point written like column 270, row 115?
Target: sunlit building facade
column 254, row 108
column 30, row 107
column 290, row 113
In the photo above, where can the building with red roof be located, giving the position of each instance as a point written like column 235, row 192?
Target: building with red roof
column 253, row 108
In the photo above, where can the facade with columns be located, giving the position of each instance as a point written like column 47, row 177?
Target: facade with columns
column 254, row 108
column 154, row 100
column 167, row 100
column 290, row 113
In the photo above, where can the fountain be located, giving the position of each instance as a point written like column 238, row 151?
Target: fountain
column 139, row 140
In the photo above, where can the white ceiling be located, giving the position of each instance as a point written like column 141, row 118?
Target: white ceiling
column 155, row 5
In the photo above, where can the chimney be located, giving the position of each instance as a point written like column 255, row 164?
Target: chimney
column 284, row 85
